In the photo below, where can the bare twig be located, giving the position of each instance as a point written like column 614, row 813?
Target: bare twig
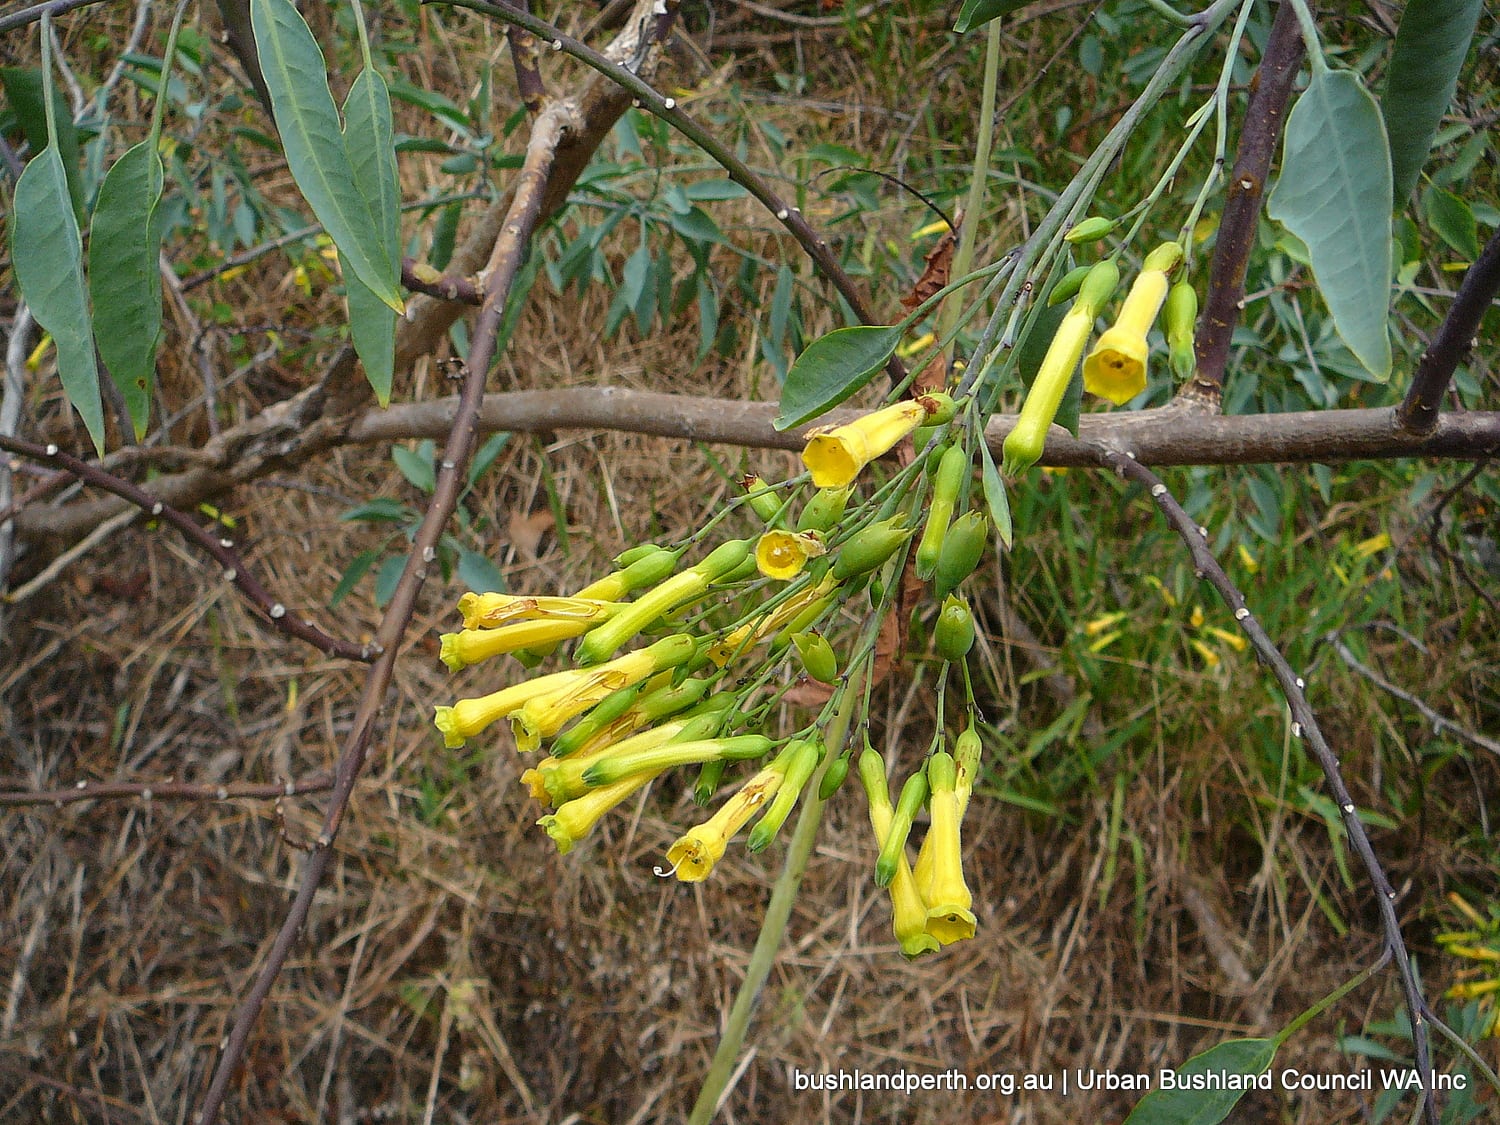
column 1455, row 336
column 1163, row 436
column 422, row 278
column 37, row 11
column 12, row 392
column 523, row 55
column 1304, row 725
column 164, row 791
column 669, row 111
column 505, row 261
column 221, row 550
column 1438, row 722
column 42, row 579
column 1435, row 533
column 1247, row 188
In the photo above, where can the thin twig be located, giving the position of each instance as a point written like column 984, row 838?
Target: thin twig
column 1247, row 188
column 523, row 56
column 671, row 112
column 1435, row 533
column 12, row 392
column 44, row 578
column 164, row 791
column 422, row 278
column 1418, row 412
column 1437, row 721
column 504, row 263
column 220, row 549
column 37, row 11
column 1304, row 725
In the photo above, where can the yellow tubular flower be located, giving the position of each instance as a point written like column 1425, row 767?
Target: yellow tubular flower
column 490, row 611
column 753, row 631
column 576, row 819
column 697, row 850
column 782, row 554
column 543, row 715
column 949, row 918
column 468, row 717
column 470, row 646
column 908, row 910
column 1116, row 368
column 835, row 455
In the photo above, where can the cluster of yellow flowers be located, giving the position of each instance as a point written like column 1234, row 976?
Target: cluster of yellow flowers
column 698, row 694
column 612, row 723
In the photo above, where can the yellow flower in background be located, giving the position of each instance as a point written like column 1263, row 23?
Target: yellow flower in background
column 835, row 455
column 698, row 849
column 782, row 554
column 1116, row 368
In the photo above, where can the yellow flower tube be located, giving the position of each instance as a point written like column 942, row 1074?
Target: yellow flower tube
column 470, row 646
column 576, row 819
column 949, row 918
column 556, row 781
column 491, row 611
column 784, row 614
column 835, row 455
column 908, row 910
column 1116, row 368
column 468, row 717
column 698, row 849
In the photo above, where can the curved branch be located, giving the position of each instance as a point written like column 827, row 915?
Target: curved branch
column 1164, row 436
column 1418, row 412
column 1304, row 725
column 37, row 11
column 221, row 550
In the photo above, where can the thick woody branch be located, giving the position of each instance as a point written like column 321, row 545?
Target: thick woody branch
column 1304, row 725
column 1247, row 188
column 164, row 791
column 221, row 550
column 1418, row 412
column 505, row 261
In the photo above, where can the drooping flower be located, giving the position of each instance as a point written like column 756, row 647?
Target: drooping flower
column 576, row 819
column 1116, row 368
column 908, row 910
column 939, row 872
column 697, row 850
column 836, row 454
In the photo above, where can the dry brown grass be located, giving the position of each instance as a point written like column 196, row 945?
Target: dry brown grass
column 456, row 969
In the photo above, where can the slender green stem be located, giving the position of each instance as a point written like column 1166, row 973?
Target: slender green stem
column 1310, row 36
column 1221, row 122
column 1168, row 12
column 779, row 910
column 978, row 179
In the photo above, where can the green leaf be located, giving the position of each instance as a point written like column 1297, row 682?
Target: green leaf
column 352, row 574
column 832, row 368
column 1334, row 193
column 47, row 253
column 125, row 276
column 386, row 579
column 479, row 574
column 1453, row 220
column 485, row 456
column 370, row 145
column 707, row 190
column 1430, row 47
column 23, row 90
column 314, row 143
column 1205, row 1107
column 995, row 497
column 977, row 13
column 416, row 465
column 382, row 509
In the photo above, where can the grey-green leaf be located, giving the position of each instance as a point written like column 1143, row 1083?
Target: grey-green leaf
column 370, row 144
column 1334, row 193
column 995, row 497
column 47, row 253
column 313, row 140
column 1430, row 47
column 24, row 92
column 832, row 368
column 977, row 13
column 125, row 276
column 1239, row 1057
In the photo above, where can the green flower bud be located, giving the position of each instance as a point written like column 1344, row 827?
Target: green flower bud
column 869, row 548
column 954, row 634
column 824, row 510
column 635, row 554
column 962, row 548
column 913, row 794
column 1068, row 287
column 818, row 659
column 707, row 784
column 606, row 711
column 833, row 776
column 762, row 499
column 1178, row 323
column 1164, row 258
column 940, row 407
column 1090, row 230
column 947, row 480
column 802, row 758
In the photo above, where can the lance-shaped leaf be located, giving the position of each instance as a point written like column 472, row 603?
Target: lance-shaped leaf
column 832, row 368
column 1430, row 47
column 977, row 13
column 125, row 276
column 47, row 253
column 23, row 90
column 314, row 143
column 1334, row 194
column 370, row 144
column 1184, row 1104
